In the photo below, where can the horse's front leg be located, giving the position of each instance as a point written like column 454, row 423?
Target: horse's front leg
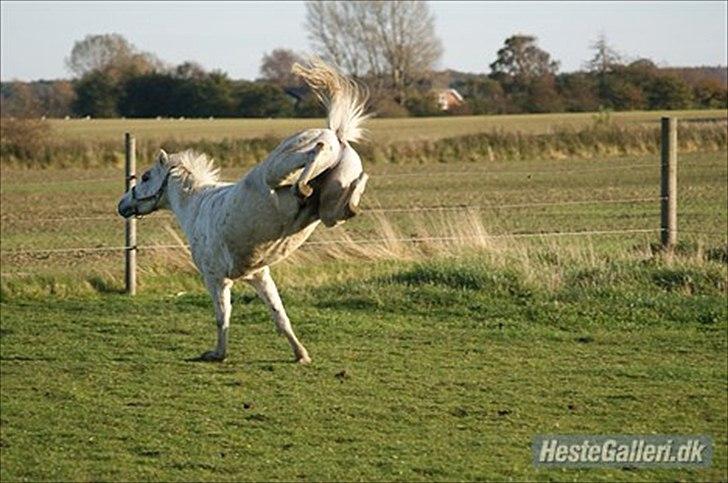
column 266, row 289
column 220, row 293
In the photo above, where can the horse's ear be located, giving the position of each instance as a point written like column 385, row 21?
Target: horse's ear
column 163, row 157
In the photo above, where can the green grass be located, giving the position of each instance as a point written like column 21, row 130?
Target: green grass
column 434, row 371
column 381, row 130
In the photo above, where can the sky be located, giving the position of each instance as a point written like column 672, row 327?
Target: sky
column 36, row 37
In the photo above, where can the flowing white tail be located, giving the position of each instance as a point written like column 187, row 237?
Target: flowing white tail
column 343, row 97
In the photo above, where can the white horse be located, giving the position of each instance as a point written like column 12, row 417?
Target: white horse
column 238, row 230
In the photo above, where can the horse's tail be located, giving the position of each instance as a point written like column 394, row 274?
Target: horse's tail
column 343, row 97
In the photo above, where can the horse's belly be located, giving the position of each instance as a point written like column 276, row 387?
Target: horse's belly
column 269, row 253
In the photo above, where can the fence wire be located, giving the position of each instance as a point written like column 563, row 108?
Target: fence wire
column 385, row 176
column 372, row 209
column 366, row 241
column 47, row 225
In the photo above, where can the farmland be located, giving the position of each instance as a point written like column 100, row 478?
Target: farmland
column 434, row 360
column 381, row 130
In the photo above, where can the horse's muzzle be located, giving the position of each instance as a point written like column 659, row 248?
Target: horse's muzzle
column 125, row 209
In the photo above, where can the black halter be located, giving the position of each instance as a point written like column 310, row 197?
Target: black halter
column 156, row 196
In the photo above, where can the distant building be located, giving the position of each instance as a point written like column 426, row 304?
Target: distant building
column 448, row 99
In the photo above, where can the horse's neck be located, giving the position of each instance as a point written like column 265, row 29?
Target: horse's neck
column 184, row 204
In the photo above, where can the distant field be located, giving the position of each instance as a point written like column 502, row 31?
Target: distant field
column 381, row 130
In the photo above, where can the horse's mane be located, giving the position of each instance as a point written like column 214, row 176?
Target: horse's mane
column 195, row 170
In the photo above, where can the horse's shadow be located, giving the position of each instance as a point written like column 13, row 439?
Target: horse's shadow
column 201, row 359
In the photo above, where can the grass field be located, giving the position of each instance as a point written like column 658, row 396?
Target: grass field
column 380, row 130
column 437, row 360
column 438, row 371
column 245, row 142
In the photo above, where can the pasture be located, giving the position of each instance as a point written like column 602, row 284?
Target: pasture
column 381, row 130
column 437, row 359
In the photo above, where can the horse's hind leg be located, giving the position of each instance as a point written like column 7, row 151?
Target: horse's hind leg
column 266, row 289
column 220, row 293
column 297, row 168
column 312, row 168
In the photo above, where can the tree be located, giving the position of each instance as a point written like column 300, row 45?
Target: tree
column 710, row 94
column 97, row 95
column 55, row 97
column 17, row 100
column 209, row 95
column 103, row 63
column 189, row 70
column 151, row 95
column 184, row 91
column 110, row 53
column 527, row 74
column 261, row 100
column 580, row 91
column 640, row 72
column 421, row 105
column 392, row 43
column 669, row 92
column 309, row 106
column 483, row 95
column 36, row 98
column 275, row 67
column 605, row 57
column 542, row 95
column 335, row 31
column 520, row 60
column 620, row 94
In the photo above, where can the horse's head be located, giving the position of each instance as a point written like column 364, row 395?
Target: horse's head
column 149, row 194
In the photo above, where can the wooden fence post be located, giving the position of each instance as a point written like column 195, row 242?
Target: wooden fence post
column 130, row 226
column 668, row 183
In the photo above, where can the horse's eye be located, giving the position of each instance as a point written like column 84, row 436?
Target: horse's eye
column 145, row 176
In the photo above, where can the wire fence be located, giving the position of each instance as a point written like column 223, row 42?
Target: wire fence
column 44, row 229
column 115, row 222
column 354, row 241
column 396, row 175
column 370, row 209
column 41, row 224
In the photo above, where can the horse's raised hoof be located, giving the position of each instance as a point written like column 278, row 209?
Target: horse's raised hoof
column 303, row 190
column 351, row 210
column 211, row 356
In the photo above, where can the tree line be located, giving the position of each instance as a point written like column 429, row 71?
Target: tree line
column 391, row 47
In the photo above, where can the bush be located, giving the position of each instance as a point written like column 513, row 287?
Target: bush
column 423, row 105
column 23, row 139
column 710, row 94
column 28, row 143
column 388, row 108
column 667, row 92
column 309, row 106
